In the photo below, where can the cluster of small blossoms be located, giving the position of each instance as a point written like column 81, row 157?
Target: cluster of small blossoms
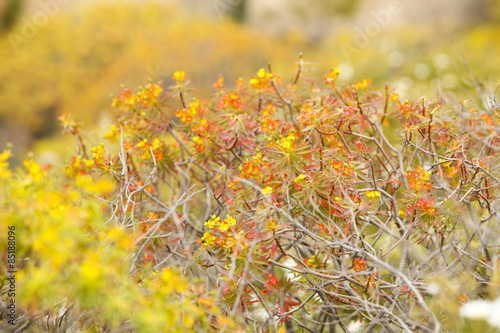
column 363, row 84
column 149, row 95
column 311, row 262
column 78, row 166
column 252, row 168
column 223, row 226
column 372, row 194
column 266, row 122
column 201, row 127
column 143, row 99
column 287, row 143
column 267, row 190
column 149, row 221
column 113, row 134
column 426, row 205
column 331, row 77
column 359, row 264
column 198, row 141
column 68, row 124
column 188, row 114
column 343, row 169
column 221, row 233
column 179, row 76
column 35, row 170
column 4, row 165
column 419, row 179
column 309, row 115
column 300, row 179
column 233, row 184
column 219, row 84
column 263, row 80
column 230, row 100
column 157, row 146
column 271, row 283
column 140, row 184
column 98, row 154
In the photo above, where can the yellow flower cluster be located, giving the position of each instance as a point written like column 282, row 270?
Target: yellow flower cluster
column 144, row 98
column 363, row 84
column 113, row 134
column 4, row 165
column 331, row 77
column 287, row 143
column 198, row 143
column 262, row 81
column 372, row 194
column 98, row 154
column 157, row 146
column 221, row 225
column 209, row 238
column 36, row 172
column 268, row 190
column 179, row 76
column 300, row 179
column 419, row 179
column 187, row 114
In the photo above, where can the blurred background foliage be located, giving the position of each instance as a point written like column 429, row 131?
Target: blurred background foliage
column 83, row 54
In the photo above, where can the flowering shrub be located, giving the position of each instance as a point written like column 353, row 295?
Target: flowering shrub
column 297, row 205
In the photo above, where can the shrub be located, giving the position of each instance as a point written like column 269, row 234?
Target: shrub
column 294, row 205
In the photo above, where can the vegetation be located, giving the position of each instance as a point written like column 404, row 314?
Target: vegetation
column 270, row 206
column 71, row 63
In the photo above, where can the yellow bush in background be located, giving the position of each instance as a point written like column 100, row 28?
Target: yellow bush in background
column 73, row 266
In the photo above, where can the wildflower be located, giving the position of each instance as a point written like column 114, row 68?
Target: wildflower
column 98, row 154
column 419, row 179
column 311, row 261
column 219, row 83
column 233, row 184
column 262, row 81
column 179, row 76
column 113, row 133
column 363, row 84
column 201, row 127
column 36, row 172
column 372, row 194
column 158, row 148
column 268, row 190
column 250, row 169
column 199, row 143
column 359, row 265
column 188, row 114
column 287, row 143
column 232, row 100
column 4, row 165
column 300, row 179
column 331, row 77
column 213, row 222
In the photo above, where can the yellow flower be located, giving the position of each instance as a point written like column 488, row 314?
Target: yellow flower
column 372, row 194
column 35, row 171
column 300, row 179
column 213, row 222
column 179, row 76
column 198, row 140
column 4, row 165
column 268, row 190
column 230, row 220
